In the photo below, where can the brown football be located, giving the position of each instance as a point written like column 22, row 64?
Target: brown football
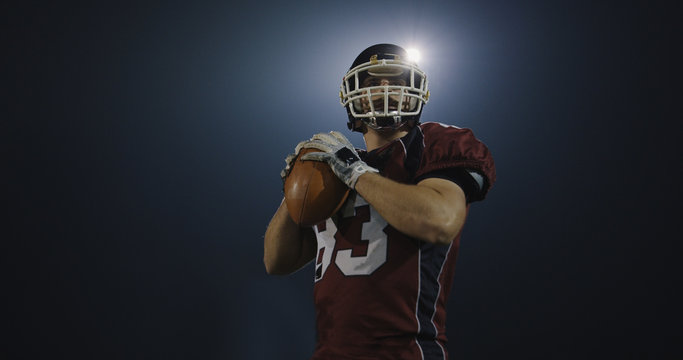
column 312, row 192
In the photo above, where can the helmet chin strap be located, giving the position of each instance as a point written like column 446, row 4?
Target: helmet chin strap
column 384, row 123
column 388, row 123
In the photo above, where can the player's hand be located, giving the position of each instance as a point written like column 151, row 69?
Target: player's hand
column 289, row 160
column 339, row 153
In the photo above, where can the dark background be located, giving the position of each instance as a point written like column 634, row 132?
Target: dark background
column 143, row 143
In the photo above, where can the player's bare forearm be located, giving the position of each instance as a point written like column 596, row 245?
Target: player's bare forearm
column 286, row 246
column 432, row 211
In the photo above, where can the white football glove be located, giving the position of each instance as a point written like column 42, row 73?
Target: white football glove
column 290, row 161
column 339, row 153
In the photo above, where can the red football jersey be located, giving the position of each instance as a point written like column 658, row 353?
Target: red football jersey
column 380, row 294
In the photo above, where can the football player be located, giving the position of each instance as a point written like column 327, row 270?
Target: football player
column 385, row 262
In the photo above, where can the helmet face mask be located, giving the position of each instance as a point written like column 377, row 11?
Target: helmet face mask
column 383, row 89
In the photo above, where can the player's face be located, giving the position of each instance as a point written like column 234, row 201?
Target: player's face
column 378, row 93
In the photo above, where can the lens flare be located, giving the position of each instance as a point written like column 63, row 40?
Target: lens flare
column 413, row 55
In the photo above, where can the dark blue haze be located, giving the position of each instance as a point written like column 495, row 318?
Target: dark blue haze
column 144, row 141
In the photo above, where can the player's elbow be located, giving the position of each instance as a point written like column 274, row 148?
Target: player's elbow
column 274, row 268
column 442, row 215
column 270, row 269
column 438, row 235
column 271, row 263
column 279, row 265
column 442, row 228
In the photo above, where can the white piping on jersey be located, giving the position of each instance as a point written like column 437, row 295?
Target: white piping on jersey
column 436, row 300
column 442, row 125
column 438, row 293
column 405, row 151
column 417, row 302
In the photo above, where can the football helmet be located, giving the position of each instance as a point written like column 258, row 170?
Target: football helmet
column 384, row 89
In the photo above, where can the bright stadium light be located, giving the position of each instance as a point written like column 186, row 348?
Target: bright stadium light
column 413, row 55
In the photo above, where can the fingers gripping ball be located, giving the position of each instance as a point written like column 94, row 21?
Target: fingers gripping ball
column 338, row 152
column 313, row 192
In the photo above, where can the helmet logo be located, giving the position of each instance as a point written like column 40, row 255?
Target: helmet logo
column 374, row 59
